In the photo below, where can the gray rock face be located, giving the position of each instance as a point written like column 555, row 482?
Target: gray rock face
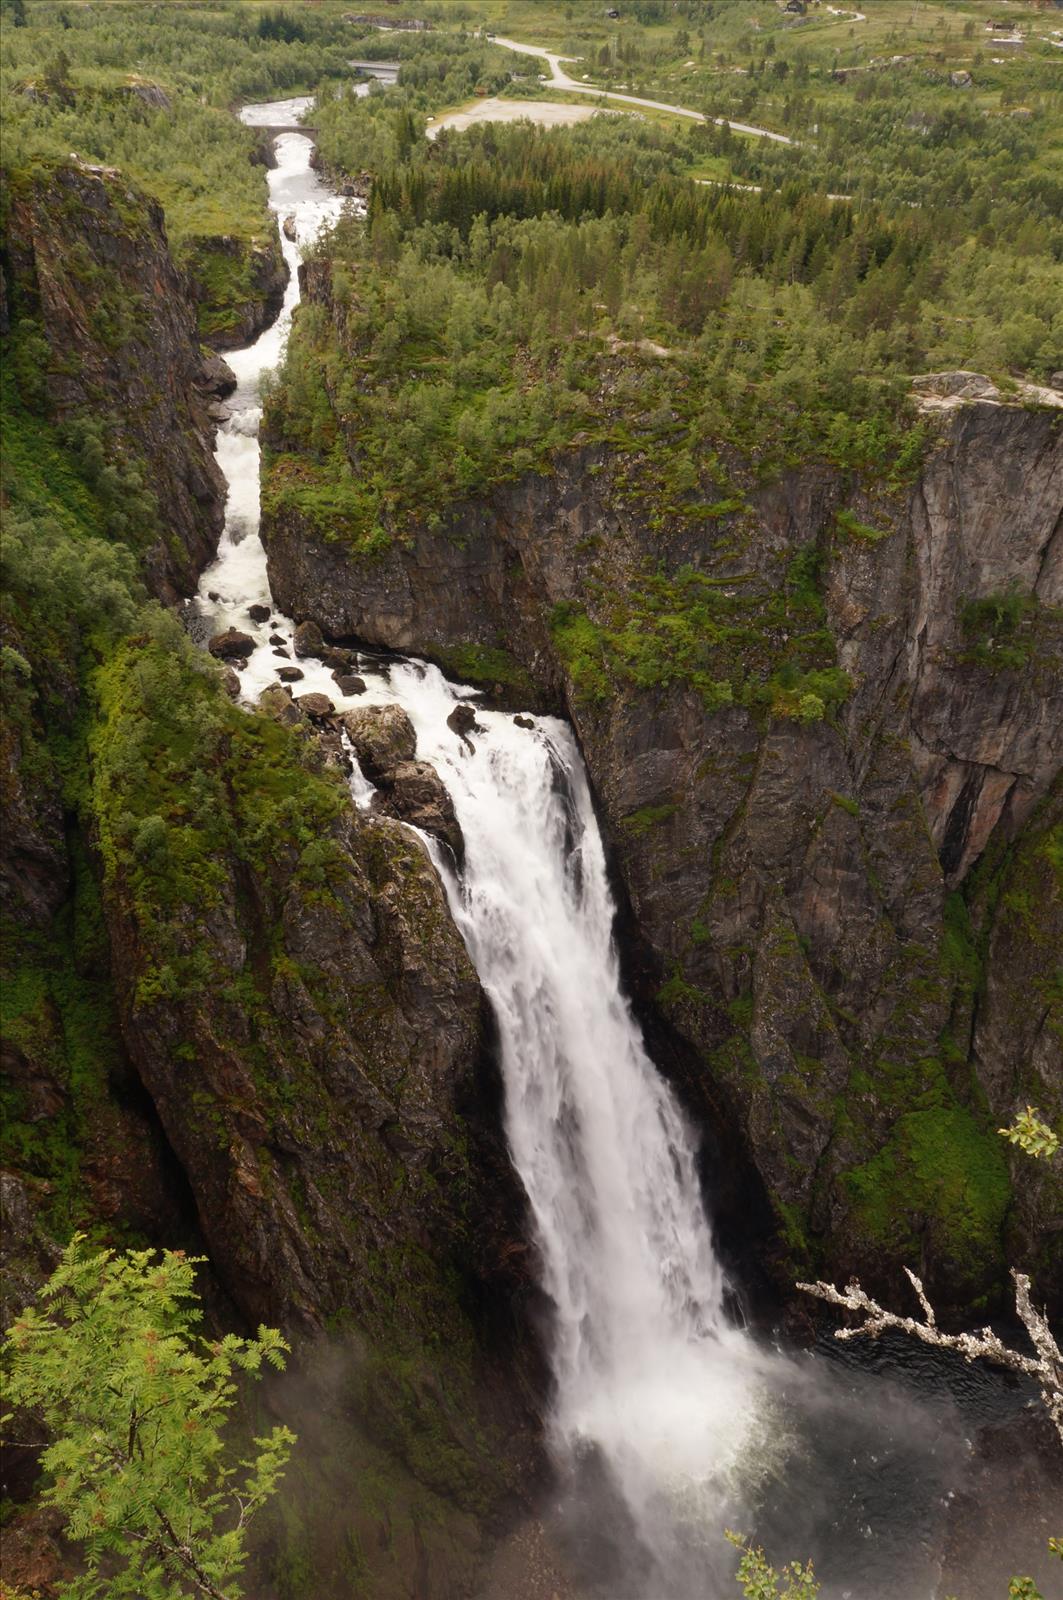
column 790, row 882
column 963, row 385
column 307, row 640
column 382, row 737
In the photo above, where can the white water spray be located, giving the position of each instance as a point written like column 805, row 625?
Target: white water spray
column 650, row 1374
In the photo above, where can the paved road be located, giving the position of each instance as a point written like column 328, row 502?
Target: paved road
column 559, row 79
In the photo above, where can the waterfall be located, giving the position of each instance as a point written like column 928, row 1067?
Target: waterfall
column 649, row 1375
column 675, row 1417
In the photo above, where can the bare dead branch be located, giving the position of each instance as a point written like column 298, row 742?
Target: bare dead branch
column 1046, row 1365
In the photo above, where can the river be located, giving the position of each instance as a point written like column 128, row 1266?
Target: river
column 670, row 1421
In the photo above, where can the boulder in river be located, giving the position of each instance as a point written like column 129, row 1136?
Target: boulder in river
column 307, row 640
column 337, row 658
column 288, row 228
column 259, row 613
column 276, row 701
column 216, row 376
column 349, row 682
column 382, row 737
column 523, row 722
column 414, row 792
column 289, row 674
column 463, row 721
column 277, row 638
column 231, row 645
column 316, row 706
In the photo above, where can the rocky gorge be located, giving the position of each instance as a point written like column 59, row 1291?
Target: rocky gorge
column 238, row 1018
column 245, row 1005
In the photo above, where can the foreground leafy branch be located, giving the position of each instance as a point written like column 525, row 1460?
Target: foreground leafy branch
column 758, row 1579
column 135, row 1402
column 1046, row 1365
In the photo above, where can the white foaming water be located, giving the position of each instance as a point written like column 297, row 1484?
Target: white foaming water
column 649, row 1374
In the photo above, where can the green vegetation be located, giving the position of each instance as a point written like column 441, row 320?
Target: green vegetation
column 148, row 90
column 1032, row 1135
column 135, row 1401
column 937, row 1163
column 758, row 1580
column 488, row 667
column 1007, row 631
column 520, row 292
column 735, row 642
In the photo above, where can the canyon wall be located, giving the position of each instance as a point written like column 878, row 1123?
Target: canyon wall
column 824, row 723
column 238, row 1019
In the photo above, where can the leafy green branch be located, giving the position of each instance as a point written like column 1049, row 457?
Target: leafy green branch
column 135, row 1401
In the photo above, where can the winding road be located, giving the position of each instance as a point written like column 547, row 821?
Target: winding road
column 559, row 79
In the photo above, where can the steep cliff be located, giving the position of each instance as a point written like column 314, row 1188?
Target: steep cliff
column 103, row 340
column 237, row 1018
column 822, row 718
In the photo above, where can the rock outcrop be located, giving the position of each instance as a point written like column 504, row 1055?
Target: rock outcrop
column 104, row 334
column 811, row 826
column 254, row 274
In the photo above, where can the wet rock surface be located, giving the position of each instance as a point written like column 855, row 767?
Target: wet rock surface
column 414, row 792
column 315, row 706
column 231, row 645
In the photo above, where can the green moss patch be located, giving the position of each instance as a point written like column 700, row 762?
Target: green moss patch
column 938, row 1168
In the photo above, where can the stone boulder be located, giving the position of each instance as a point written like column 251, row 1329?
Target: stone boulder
column 338, row 659
column 217, row 377
column 315, row 706
column 232, row 645
column 349, row 682
column 414, row 792
column 463, row 719
column 259, row 613
column 307, row 640
column 382, row 737
column 277, row 702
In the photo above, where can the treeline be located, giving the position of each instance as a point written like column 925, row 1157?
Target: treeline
column 67, row 86
column 987, row 176
column 515, row 291
column 873, row 268
column 225, row 54
column 364, row 133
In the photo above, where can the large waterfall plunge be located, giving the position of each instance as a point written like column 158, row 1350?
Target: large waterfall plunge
column 649, row 1374
column 666, row 1421
column 651, row 1381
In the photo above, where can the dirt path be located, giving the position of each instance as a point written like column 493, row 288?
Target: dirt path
column 559, row 79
